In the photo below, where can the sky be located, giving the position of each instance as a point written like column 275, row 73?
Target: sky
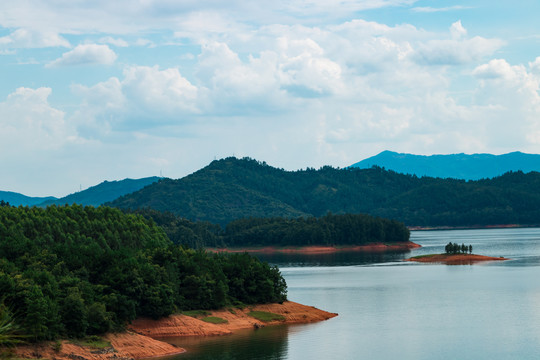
column 106, row 90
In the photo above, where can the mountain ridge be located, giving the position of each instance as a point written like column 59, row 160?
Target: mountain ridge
column 232, row 188
column 457, row 166
column 94, row 196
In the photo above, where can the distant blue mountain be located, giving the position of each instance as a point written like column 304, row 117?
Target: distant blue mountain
column 104, row 192
column 93, row 196
column 457, row 166
column 17, row 199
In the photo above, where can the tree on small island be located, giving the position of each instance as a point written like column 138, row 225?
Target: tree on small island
column 455, row 248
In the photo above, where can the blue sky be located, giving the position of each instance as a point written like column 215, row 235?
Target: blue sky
column 105, row 90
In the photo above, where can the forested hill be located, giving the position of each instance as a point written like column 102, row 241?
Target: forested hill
column 70, row 271
column 329, row 230
column 232, row 188
column 456, row 166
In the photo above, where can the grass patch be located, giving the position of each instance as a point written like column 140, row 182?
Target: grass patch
column 196, row 313
column 93, row 341
column 214, row 320
column 425, row 256
column 266, row 316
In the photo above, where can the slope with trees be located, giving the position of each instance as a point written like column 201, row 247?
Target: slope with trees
column 231, row 189
column 328, row 230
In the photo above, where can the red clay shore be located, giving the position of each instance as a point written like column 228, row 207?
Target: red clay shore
column 138, row 342
column 307, row 250
column 237, row 319
column 455, row 259
column 124, row 346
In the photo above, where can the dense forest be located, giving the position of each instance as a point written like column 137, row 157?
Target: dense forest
column 232, row 188
column 330, row 230
column 73, row 270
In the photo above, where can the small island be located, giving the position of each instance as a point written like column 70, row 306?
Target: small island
column 455, row 254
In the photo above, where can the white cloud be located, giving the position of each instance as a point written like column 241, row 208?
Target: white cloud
column 29, row 123
column 153, row 88
column 145, row 97
column 496, row 69
column 457, row 31
column 29, row 38
column 458, row 49
column 429, row 9
column 125, row 16
column 510, row 101
column 144, row 42
column 86, row 54
column 113, row 41
column 535, row 66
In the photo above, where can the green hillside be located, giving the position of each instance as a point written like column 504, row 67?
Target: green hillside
column 231, row 188
column 71, row 271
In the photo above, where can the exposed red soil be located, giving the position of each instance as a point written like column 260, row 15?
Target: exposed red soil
column 455, row 259
column 139, row 344
column 125, row 346
column 183, row 325
column 307, row 250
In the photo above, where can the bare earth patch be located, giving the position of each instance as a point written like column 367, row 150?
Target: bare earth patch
column 182, row 325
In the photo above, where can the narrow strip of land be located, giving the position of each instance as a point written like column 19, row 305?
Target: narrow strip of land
column 306, row 250
column 455, row 259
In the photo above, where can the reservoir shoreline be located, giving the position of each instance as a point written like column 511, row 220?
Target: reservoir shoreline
column 139, row 342
column 307, row 250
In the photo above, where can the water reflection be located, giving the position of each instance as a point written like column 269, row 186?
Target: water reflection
column 390, row 309
column 268, row 343
column 340, row 258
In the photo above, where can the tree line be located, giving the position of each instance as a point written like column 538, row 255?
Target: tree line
column 328, row 230
column 73, row 270
column 455, row 248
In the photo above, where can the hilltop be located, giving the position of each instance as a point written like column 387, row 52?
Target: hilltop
column 457, row 166
column 232, row 188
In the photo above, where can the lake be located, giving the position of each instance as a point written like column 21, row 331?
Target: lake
column 392, row 309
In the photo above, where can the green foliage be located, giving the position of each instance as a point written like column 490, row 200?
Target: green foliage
column 75, row 271
column 93, row 341
column 344, row 229
column 57, row 346
column 214, row 320
column 454, row 248
column 196, row 313
column 266, row 316
column 347, row 229
column 9, row 329
column 231, row 189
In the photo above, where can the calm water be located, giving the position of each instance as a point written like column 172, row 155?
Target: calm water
column 395, row 310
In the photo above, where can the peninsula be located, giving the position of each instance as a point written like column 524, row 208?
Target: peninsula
column 139, row 343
